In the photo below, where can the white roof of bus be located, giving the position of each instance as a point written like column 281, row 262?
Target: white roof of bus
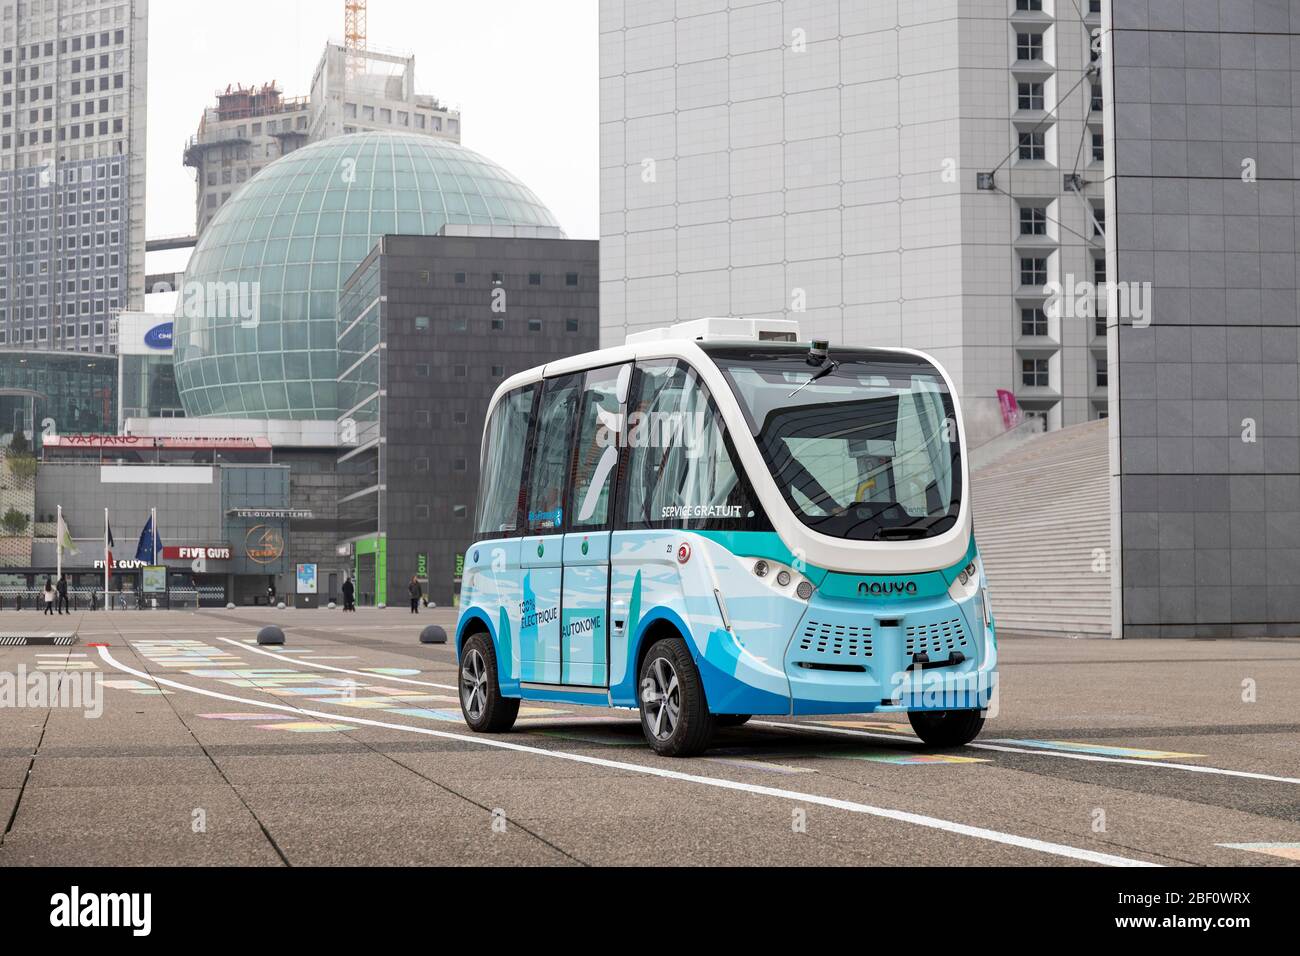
column 677, row 341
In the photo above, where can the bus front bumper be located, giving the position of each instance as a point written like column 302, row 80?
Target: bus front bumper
column 934, row 654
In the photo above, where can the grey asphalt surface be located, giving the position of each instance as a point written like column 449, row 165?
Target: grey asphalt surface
column 169, row 775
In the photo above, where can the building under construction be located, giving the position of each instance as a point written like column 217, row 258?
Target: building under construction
column 353, row 89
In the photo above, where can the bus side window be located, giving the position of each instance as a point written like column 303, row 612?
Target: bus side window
column 595, row 461
column 501, row 476
column 681, row 470
column 550, row 460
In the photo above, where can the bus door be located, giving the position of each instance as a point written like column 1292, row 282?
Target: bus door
column 584, row 627
column 541, row 558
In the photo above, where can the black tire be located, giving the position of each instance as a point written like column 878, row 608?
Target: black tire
column 686, row 728
column 481, row 703
column 946, row 728
column 731, row 720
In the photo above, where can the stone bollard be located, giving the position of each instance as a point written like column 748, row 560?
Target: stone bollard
column 433, row 634
column 270, row 635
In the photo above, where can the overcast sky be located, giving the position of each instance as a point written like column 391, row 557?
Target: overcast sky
column 522, row 72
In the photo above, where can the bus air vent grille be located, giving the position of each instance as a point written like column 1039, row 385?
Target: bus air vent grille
column 935, row 637
column 836, row 640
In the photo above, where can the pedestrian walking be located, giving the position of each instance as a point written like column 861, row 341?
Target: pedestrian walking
column 48, row 595
column 270, row 594
column 349, row 594
column 62, row 587
column 416, row 593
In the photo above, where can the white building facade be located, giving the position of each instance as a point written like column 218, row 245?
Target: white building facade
column 819, row 160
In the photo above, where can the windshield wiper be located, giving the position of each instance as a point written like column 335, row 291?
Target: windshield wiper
column 900, row 534
column 819, row 374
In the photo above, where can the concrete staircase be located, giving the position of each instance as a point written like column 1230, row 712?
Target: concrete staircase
column 1042, row 511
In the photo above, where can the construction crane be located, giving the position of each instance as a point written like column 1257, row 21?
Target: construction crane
column 354, row 36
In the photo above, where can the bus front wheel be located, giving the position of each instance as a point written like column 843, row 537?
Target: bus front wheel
column 946, row 728
column 485, row 710
column 674, row 714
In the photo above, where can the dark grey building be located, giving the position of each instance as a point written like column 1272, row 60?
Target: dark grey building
column 429, row 327
column 1203, row 183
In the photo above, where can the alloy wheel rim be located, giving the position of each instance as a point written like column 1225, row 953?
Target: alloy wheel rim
column 662, row 699
column 473, row 684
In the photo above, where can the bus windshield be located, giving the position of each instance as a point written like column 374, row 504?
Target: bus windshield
column 863, row 446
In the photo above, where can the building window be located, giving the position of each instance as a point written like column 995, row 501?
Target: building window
column 460, row 418
column 1033, row 221
column 460, row 278
column 421, row 464
column 1030, row 96
column 1098, row 222
column 498, row 371
column 1096, row 98
column 1033, row 270
column 1033, row 322
column 570, row 325
column 423, row 370
column 498, row 325
column 459, row 512
column 423, row 417
column 1029, row 47
column 460, row 464
column 534, row 325
column 1033, row 372
column 534, row 278
column 422, row 323
column 1033, row 145
column 1098, row 147
column 1099, row 271
column 1102, row 370
column 422, row 512
column 571, row 279
column 1029, row 6
column 460, row 371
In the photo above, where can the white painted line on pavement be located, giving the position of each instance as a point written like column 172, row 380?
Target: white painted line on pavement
column 1095, row 758
column 934, row 823
column 312, row 665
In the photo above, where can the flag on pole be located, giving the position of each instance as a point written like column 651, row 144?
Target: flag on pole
column 109, row 543
column 65, row 537
column 150, row 543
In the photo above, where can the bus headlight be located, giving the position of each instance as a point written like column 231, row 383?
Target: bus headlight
column 967, row 583
column 783, row 579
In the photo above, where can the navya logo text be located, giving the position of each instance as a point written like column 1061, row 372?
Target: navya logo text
column 886, row 588
column 159, row 337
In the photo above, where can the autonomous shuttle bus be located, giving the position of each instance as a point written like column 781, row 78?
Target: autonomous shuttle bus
column 716, row 521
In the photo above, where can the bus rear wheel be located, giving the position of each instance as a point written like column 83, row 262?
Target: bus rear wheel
column 485, row 710
column 946, row 728
column 675, row 717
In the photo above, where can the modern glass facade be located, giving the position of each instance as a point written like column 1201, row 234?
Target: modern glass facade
column 67, row 392
column 256, row 325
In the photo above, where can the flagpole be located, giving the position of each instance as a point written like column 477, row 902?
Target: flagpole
column 107, row 559
column 58, row 531
column 153, row 530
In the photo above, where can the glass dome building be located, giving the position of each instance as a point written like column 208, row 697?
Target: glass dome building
column 256, row 320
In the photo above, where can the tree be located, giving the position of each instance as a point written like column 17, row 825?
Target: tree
column 14, row 522
column 23, row 466
column 19, row 445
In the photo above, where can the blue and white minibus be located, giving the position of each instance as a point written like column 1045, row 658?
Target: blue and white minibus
column 715, row 521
